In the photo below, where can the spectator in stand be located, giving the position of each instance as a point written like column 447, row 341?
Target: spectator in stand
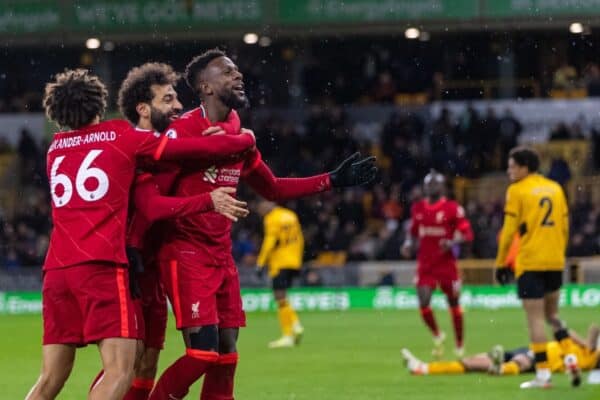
column 510, row 130
column 591, row 79
column 560, row 132
column 565, row 77
column 29, row 158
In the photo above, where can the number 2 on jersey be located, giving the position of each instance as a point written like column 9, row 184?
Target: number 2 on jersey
column 547, row 201
column 83, row 174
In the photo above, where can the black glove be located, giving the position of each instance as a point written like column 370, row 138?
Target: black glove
column 354, row 171
column 505, row 275
column 260, row 272
column 135, row 266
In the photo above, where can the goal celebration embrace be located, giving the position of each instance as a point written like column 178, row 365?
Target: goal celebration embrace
column 299, row 199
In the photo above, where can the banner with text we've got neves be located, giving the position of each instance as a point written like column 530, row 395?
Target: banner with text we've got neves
column 342, row 299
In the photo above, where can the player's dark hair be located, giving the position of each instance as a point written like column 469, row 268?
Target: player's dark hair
column 198, row 64
column 137, row 87
column 525, row 157
column 75, row 98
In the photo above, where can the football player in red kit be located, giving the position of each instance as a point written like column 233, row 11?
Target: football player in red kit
column 147, row 98
column 440, row 226
column 86, row 295
column 197, row 266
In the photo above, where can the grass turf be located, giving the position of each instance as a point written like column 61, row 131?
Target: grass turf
column 345, row 355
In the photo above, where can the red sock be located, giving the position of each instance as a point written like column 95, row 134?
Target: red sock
column 140, row 389
column 177, row 379
column 96, row 380
column 429, row 319
column 457, row 323
column 218, row 382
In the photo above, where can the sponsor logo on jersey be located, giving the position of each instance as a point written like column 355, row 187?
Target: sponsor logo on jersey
column 210, row 175
column 432, row 231
column 226, row 176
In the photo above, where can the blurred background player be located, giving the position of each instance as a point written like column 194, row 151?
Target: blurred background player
column 440, row 226
column 537, row 209
column 513, row 362
column 281, row 251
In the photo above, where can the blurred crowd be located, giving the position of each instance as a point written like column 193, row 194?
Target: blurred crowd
column 366, row 223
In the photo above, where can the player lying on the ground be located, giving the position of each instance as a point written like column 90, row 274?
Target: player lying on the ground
column 584, row 353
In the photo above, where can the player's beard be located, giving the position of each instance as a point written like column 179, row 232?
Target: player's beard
column 233, row 101
column 160, row 121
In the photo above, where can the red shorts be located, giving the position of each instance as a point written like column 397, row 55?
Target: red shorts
column 153, row 307
column 202, row 295
column 448, row 281
column 87, row 303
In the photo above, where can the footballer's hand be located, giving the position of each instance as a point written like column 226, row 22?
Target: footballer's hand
column 446, row 244
column 250, row 132
column 213, row 130
column 504, row 275
column 260, row 272
column 354, row 171
column 406, row 249
column 225, row 204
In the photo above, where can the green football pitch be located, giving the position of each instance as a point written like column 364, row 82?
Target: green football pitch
column 344, row 355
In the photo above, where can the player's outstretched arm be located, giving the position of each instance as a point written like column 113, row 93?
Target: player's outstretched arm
column 350, row 172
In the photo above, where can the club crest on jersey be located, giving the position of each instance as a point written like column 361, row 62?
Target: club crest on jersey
column 196, row 310
column 210, row 175
column 439, row 217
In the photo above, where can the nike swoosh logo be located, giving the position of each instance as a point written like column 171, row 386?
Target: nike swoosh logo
column 171, row 397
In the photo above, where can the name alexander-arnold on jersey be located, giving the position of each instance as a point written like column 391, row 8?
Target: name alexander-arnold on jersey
column 74, row 141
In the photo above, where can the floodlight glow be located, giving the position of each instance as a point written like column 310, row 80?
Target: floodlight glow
column 265, row 41
column 576, row 27
column 412, row 33
column 92, row 43
column 250, row 38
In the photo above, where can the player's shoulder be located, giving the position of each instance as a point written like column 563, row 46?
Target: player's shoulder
column 515, row 188
column 454, row 206
column 418, row 205
column 187, row 122
column 116, row 124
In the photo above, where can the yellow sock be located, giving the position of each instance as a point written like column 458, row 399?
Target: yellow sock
column 293, row 316
column 446, row 367
column 541, row 357
column 285, row 313
column 510, row 368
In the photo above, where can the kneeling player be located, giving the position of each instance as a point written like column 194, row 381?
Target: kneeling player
column 440, row 225
column 282, row 250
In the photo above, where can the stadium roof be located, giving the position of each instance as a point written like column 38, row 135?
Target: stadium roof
column 155, row 20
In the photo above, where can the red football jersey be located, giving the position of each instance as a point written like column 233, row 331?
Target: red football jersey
column 206, row 235
column 90, row 172
column 431, row 223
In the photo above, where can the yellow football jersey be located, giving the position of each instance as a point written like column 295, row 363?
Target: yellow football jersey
column 537, row 209
column 283, row 244
column 586, row 358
